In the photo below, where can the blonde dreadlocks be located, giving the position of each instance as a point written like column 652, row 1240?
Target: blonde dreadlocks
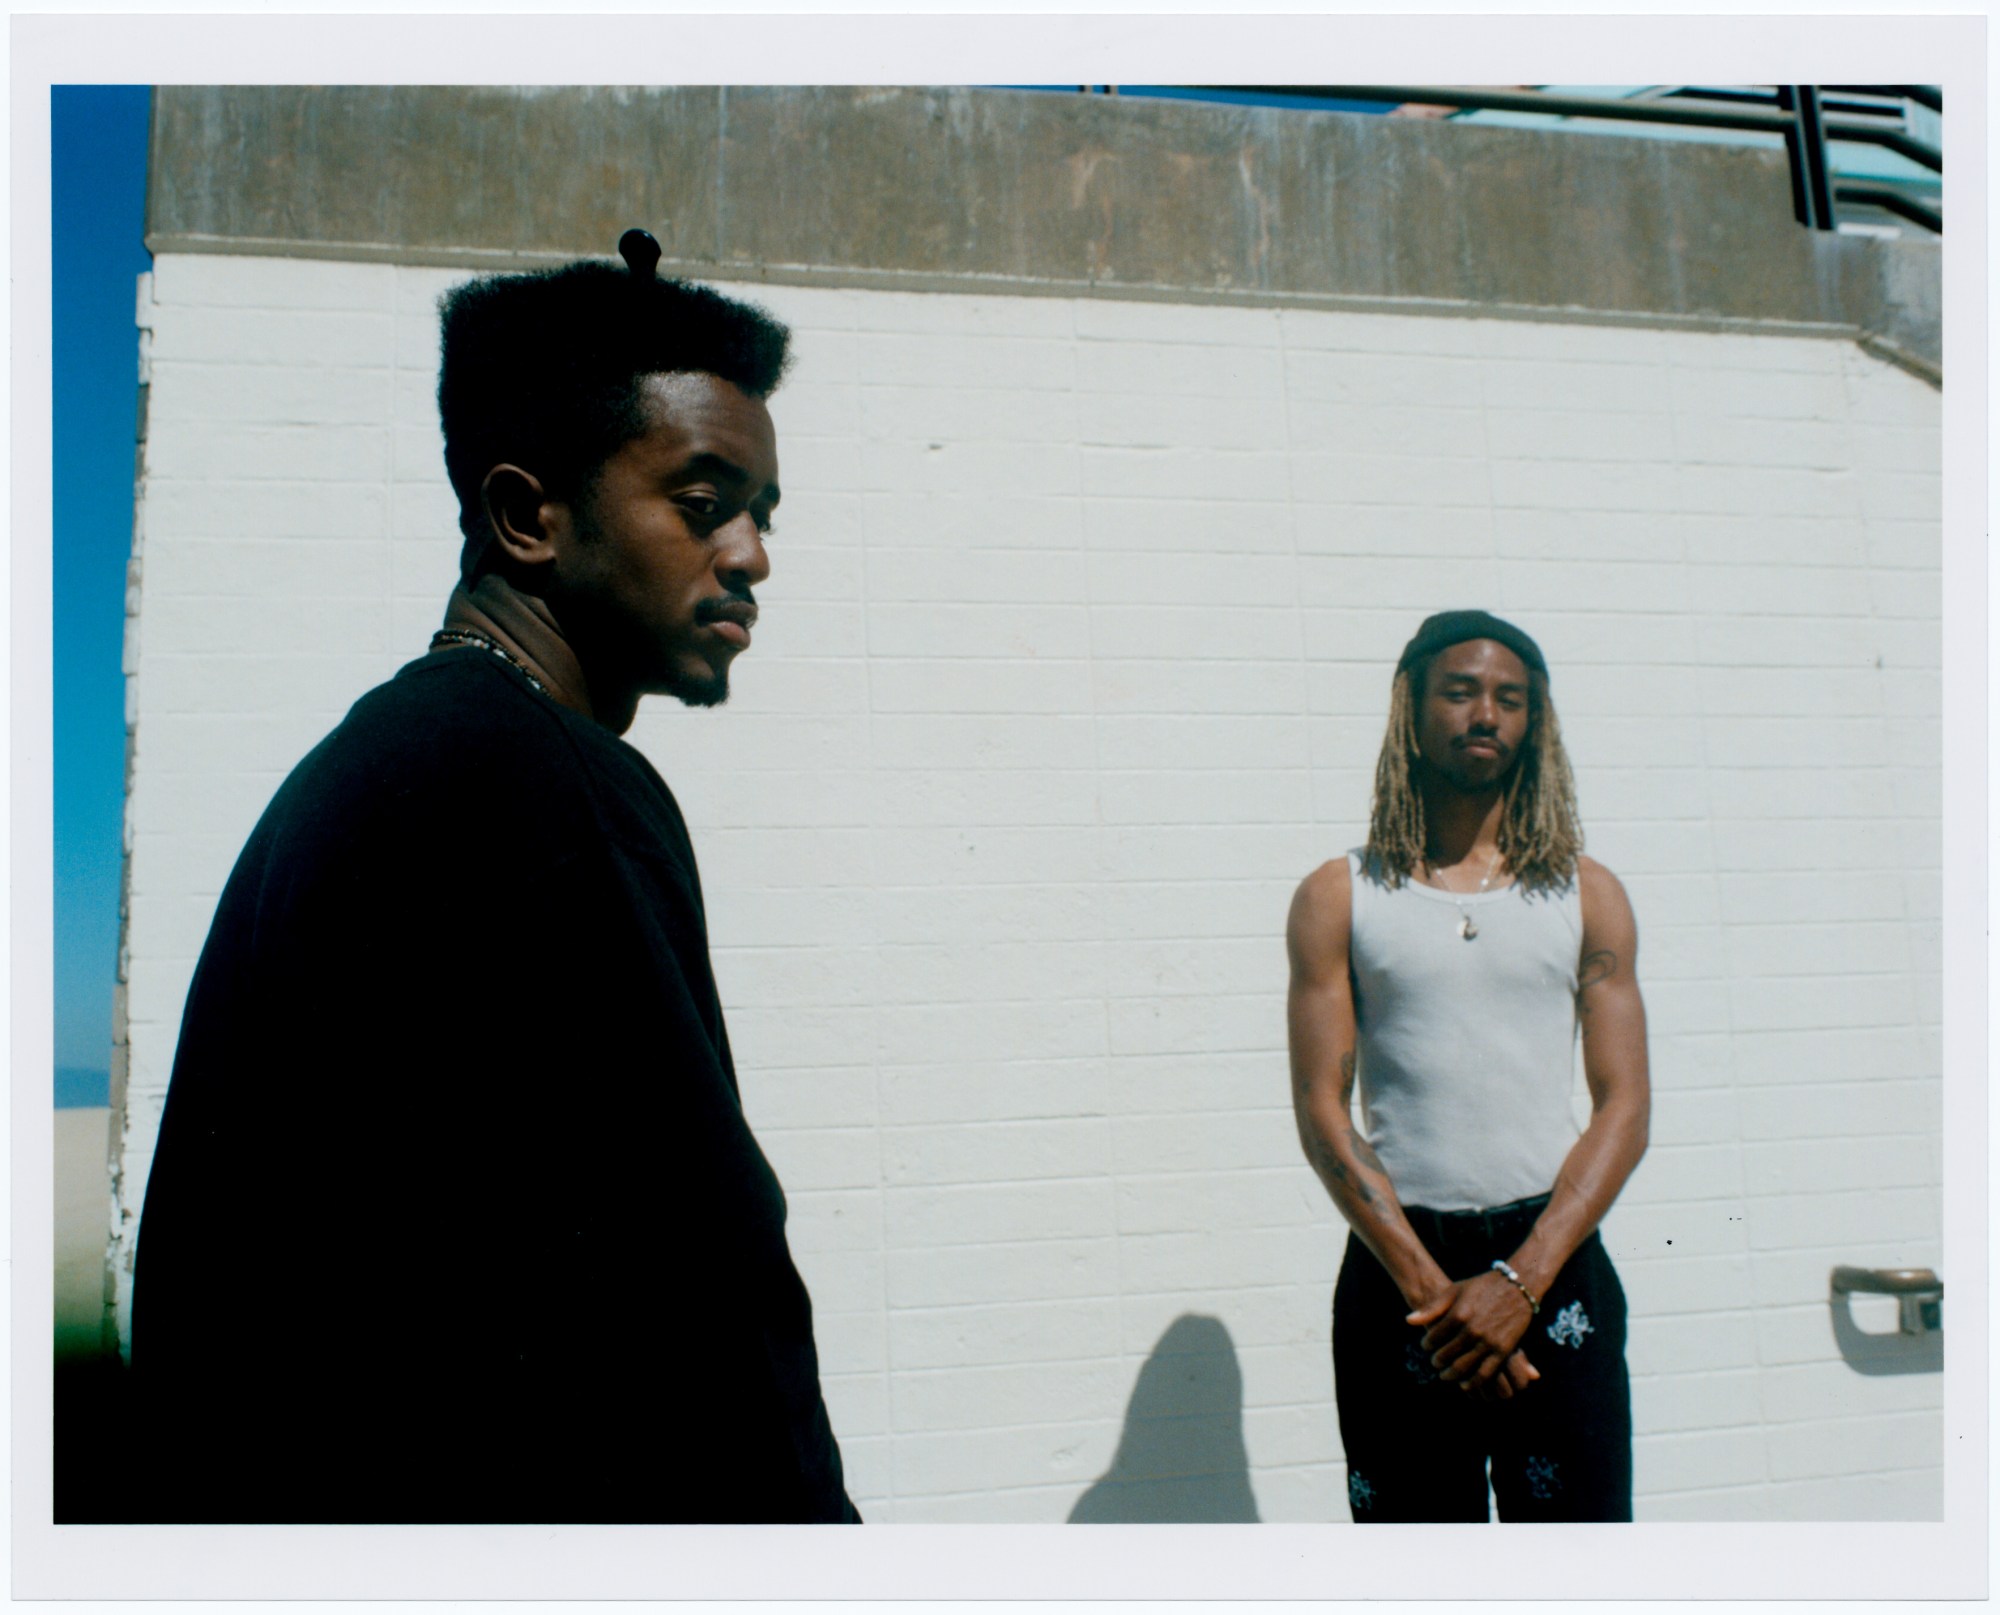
column 1540, row 835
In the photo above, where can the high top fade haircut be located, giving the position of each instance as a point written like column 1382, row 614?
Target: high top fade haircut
column 1540, row 833
column 546, row 370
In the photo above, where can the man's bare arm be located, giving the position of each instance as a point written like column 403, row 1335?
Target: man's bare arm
column 1322, row 1034
column 1489, row 1316
column 1612, row 1018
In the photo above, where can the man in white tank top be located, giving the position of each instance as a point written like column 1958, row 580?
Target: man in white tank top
column 1446, row 968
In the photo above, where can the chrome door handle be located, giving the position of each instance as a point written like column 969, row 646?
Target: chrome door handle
column 1919, row 1293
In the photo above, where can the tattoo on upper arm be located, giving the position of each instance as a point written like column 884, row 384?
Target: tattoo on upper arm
column 1598, row 966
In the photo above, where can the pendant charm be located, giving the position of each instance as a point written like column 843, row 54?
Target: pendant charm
column 1467, row 929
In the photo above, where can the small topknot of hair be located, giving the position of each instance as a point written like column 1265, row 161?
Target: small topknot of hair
column 640, row 252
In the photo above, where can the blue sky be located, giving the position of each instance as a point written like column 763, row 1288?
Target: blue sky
column 98, row 139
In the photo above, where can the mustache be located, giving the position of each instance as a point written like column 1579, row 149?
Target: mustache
column 739, row 608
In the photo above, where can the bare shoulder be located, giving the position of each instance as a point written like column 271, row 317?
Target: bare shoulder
column 1593, row 877
column 1606, row 907
column 1322, row 914
column 1327, row 891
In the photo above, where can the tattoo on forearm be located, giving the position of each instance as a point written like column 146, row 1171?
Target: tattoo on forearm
column 1364, row 1152
column 1325, row 1158
column 1331, row 1167
column 1356, row 1144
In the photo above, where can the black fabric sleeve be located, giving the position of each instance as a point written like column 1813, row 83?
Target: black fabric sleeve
column 640, row 1327
column 455, row 1214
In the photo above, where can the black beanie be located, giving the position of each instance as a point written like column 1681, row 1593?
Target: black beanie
column 1456, row 627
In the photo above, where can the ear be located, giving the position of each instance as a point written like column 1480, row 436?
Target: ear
column 524, row 521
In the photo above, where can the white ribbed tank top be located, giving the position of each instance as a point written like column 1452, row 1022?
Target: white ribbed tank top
column 1466, row 1048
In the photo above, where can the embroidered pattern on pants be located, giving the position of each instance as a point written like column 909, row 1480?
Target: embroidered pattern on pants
column 1541, row 1476
column 1359, row 1493
column 1571, row 1326
column 1418, row 1362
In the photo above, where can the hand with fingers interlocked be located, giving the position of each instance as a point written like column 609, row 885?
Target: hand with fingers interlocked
column 1472, row 1330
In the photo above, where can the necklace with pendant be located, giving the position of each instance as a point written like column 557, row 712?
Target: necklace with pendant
column 479, row 641
column 1467, row 927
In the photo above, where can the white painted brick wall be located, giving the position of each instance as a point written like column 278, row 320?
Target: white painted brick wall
column 1074, row 661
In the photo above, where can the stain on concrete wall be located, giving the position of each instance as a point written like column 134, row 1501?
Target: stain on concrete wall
column 989, row 189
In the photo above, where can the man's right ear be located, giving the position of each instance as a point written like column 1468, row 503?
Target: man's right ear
column 520, row 516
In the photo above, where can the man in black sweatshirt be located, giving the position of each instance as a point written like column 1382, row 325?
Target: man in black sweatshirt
column 455, row 1214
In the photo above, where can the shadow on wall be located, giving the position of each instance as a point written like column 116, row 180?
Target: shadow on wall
column 1181, row 1457
column 1868, row 1352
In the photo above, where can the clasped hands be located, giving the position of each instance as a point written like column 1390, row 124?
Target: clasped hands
column 1472, row 1330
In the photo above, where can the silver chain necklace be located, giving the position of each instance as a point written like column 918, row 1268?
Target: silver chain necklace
column 472, row 636
column 1467, row 928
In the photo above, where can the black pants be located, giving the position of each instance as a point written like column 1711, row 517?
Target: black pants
column 1418, row 1447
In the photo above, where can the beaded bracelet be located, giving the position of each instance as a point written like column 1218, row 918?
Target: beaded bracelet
column 1513, row 1278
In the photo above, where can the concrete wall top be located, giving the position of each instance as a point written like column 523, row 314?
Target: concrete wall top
column 966, row 189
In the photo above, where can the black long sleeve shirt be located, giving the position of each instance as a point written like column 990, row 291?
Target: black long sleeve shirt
column 455, row 1214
